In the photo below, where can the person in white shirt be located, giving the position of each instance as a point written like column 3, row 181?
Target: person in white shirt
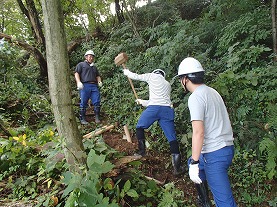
column 158, row 108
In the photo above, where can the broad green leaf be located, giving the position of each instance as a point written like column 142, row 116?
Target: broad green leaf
column 132, row 193
column 127, row 185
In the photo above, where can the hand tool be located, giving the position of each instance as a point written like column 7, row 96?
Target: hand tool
column 121, row 59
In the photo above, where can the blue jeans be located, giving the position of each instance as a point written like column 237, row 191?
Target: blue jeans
column 90, row 91
column 213, row 167
column 165, row 117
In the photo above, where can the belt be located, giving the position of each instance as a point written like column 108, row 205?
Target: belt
column 92, row 82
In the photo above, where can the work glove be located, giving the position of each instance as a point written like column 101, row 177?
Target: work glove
column 126, row 72
column 100, row 84
column 138, row 101
column 194, row 173
column 142, row 102
column 80, row 86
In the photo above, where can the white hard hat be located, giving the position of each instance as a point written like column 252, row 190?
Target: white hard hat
column 189, row 65
column 90, row 52
column 159, row 71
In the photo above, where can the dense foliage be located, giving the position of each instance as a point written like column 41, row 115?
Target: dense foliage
column 233, row 41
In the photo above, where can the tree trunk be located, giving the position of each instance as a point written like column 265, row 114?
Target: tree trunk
column 131, row 19
column 59, row 82
column 274, row 29
column 31, row 13
column 119, row 12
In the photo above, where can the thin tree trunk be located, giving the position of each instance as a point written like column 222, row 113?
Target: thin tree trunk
column 119, row 12
column 131, row 20
column 274, row 29
column 59, row 82
column 31, row 13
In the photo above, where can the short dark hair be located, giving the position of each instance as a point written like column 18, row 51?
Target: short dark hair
column 196, row 78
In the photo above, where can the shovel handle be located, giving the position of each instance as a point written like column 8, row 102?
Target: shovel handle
column 131, row 83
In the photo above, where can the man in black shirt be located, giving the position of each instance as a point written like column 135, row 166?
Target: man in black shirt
column 88, row 82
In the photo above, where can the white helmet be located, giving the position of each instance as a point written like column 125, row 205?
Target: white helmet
column 189, row 65
column 90, row 52
column 159, row 71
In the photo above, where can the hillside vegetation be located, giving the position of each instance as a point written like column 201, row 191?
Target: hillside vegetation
column 232, row 39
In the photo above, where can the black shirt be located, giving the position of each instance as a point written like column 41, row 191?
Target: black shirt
column 87, row 73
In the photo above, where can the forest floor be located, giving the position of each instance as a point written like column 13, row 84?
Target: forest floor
column 154, row 165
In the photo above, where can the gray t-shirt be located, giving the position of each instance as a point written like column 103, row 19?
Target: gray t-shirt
column 206, row 104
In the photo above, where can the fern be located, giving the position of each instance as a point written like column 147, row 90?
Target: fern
column 269, row 146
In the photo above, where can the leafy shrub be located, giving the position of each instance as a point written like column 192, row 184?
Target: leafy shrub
column 245, row 42
column 23, row 158
column 249, row 177
column 171, row 196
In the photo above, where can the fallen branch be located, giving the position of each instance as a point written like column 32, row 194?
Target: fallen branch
column 98, row 131
column 125, row 160
column 155, row 180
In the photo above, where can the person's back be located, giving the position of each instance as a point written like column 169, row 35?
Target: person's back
column 218, row 131
column 212, row 137
column 159, row 90
column 158, row 108
column 159, row 87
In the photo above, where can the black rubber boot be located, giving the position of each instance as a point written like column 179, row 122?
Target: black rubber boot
column 141, row 142
column 83, row 116
column 203, row 195
column 141, row 148
column 97, row 120
column 97, row 112
column 178, row 169
column 176, row 163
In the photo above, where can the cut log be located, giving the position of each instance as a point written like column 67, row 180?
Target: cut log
column 98, row 131
column 127, row 133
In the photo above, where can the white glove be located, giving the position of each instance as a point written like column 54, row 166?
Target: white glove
column 126, row 72
column 80, row 86
column 138, row 101
column 100, row 84
column 194, row 173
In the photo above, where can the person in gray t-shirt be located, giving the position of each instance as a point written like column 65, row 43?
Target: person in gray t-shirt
column 212, row 137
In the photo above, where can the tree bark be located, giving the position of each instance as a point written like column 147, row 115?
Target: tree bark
column 119, row 12
column 74, row 44
column 31, row 13
column 59, row 82
column 274, row 29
